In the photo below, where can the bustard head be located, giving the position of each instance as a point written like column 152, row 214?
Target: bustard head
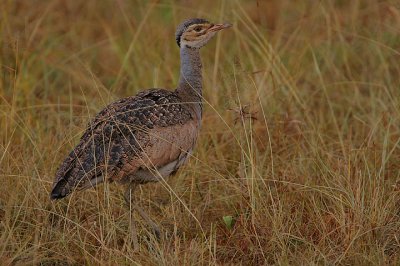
column 196, row 32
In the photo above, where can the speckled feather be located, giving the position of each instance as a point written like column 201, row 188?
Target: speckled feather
column 118, row 135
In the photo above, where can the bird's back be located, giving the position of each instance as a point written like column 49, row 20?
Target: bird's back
column 129, row 140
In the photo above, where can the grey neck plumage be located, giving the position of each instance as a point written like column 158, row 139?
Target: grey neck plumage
column 190, row 81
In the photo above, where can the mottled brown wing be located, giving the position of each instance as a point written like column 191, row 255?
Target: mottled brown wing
column 117, row 137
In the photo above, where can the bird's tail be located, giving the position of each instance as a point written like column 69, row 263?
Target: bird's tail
column 63, row 188
column 83, row 168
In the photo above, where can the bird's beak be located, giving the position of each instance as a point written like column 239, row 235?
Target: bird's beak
column 218, row 27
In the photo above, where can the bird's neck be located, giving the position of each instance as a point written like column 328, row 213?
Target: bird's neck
column 190, row 81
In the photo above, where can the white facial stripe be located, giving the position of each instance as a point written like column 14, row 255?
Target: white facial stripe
column 198, row 42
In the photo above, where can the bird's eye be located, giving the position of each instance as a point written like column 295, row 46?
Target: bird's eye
column 197, row 29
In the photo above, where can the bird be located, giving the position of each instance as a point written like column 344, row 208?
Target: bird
column 143, row 138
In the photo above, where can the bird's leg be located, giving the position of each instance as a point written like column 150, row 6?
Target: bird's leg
column 153, row 226
column 134, row 206
column 128, row 199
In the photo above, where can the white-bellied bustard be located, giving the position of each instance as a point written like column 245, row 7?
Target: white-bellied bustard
column 146, row 137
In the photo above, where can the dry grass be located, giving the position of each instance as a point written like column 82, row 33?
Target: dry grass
column 311, row 180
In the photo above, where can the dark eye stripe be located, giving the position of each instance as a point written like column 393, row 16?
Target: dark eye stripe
column 197, row 28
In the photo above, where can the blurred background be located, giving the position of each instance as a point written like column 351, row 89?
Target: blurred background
column 298, row 159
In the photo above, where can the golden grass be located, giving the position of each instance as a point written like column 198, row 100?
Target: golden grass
column 311, row 180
